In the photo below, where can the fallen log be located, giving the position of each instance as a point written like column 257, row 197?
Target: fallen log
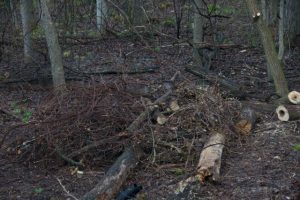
column 292, row 98
column 246, row 121
column 111, row 183
column 260, row 107
column 288, row 112
column 234, row 88
column 210, row 159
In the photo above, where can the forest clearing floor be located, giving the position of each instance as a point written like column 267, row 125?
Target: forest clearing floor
column 262, row 165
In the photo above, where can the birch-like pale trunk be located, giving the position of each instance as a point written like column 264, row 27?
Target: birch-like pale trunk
column 101, row 13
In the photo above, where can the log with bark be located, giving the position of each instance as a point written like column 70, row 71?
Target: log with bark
column 210, row 159
column 288, row 112
column 246, row 121
column 111, row 183
column 233, row 87
column 260, row 107
column 293, row 97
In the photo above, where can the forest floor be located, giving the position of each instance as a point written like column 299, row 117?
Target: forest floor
column 262, row 165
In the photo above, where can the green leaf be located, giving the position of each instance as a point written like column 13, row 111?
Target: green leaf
column 17, row 110
column 38, row 190
column 67, row 53
column 296, row 147
column 26, row 116
column 157, row 49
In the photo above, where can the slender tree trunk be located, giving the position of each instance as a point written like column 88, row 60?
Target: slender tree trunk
column 14, row 13
column 26, row 15
column 54, row 49
column 276, row 66
column 137, row 13
column 270, row 10
column 197, row 33
column 289, row 24
column 101, row 13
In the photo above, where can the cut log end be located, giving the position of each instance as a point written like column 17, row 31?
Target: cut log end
column 288, row 112
column 174, row 105
column 294, row 97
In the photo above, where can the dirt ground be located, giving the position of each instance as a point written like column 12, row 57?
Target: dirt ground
column 262, row 165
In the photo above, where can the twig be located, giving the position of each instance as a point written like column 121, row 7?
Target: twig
column 65, row 190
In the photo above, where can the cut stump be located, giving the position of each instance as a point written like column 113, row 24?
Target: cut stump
column 246, row 122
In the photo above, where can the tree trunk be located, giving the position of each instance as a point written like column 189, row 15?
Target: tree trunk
column 101, row 13
column 276, row 66
column 289, row 24
column 269, row 13
column 13, row 11
column 54, row 49
column 138, row 16
column 26, row 15
column 197, row 33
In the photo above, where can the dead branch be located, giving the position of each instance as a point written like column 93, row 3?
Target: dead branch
column 143, row 116
column 65, row 190
column 234, row 88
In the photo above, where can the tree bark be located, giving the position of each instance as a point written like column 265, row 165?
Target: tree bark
column 13, row 11
column 270, row 13
column 276, row 66
column 26, row 15
column 54, row 49
column 289, row 24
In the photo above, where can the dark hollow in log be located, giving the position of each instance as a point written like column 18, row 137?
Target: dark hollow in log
column 288, row 112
